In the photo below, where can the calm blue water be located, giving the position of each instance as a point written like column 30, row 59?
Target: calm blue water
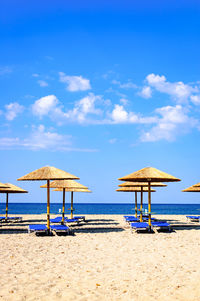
column 38, row 208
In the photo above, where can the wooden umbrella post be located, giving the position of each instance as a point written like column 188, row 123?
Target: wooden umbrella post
column 48, row 205
column 63, row 208
column 72, row 204
column 141, row 203
column 6, row 206
column 136, row 204
column 149, row 202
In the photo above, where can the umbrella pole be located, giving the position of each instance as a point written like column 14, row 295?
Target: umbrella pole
column 149, row 203
column 48, row 206
column 72, row 204
column 141, row 203
column 63, row 208
column 6, row 206
column 135, row 204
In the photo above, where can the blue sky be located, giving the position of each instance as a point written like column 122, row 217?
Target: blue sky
column 100, row 90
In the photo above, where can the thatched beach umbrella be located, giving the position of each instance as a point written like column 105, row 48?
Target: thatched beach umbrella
column 140, row 184
column 135, row 189
column 48, row 173
column 3, row 185
column 66, row 184
column 149, row 175
column 196, row 185
column 192, row 189
column 10, row 188
column 72, row 190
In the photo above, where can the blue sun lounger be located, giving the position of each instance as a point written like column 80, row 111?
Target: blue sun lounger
column 131, row 219
column 193, row 218
column 80, row 218
column 161, row 225
column 140, row 226
column 72, row 220
column 13, row 218
column 57, row 219
column 39, row 228
column 61, row 229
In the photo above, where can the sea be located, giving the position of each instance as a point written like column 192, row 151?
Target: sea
column 100, row 208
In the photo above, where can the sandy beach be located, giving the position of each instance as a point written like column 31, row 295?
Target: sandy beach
column 103, row 261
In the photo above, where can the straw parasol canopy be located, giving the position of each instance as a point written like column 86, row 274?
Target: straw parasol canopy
column 149, row 175
column 192, row 189
column 48, row 173
column 66, row 185
column 134, row 189
column 196, row 185
column 72, row 190
column 144, row 184
column 3, row 185
column 11, row 188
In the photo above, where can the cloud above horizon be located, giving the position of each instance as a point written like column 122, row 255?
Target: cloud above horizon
column 163, row 122
column 74, row 83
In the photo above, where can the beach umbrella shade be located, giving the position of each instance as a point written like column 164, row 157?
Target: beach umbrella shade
column 136, row 190
column 72, row 190
column 48, row 173
column 66, row 184
column 141, row 184
column 10, row 188
column 149, row 175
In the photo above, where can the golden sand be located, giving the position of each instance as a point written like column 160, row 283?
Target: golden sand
column 103, row 261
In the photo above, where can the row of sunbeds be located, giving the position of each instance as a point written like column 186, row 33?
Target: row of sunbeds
column 193, row 218
column 137, row 225
column 10, row 219
column 59, row 228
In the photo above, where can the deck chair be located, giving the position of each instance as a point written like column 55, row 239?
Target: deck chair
column 62, row 230
column 80, row 218
column 57, row 220
column 130, row 219
column 162, row 226
column 38, row 229
column 193, row 218
column 140, row 226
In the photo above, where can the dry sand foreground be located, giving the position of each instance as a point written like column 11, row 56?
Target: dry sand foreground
column 103, row 261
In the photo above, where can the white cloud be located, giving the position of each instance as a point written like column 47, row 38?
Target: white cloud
column 44, row 139
column 35, row 75
column 178, row 90
column 124, row 101
column 195, row 99
column 83, row 108
column 12, row 110
column 173, row 121
column 5, row 70
column 146, row 92
column 44, row 105
column 113, row 140
column 42, row 83
column 128, row 85
column 119, row 114
column 75, row 83
column 41, row 139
